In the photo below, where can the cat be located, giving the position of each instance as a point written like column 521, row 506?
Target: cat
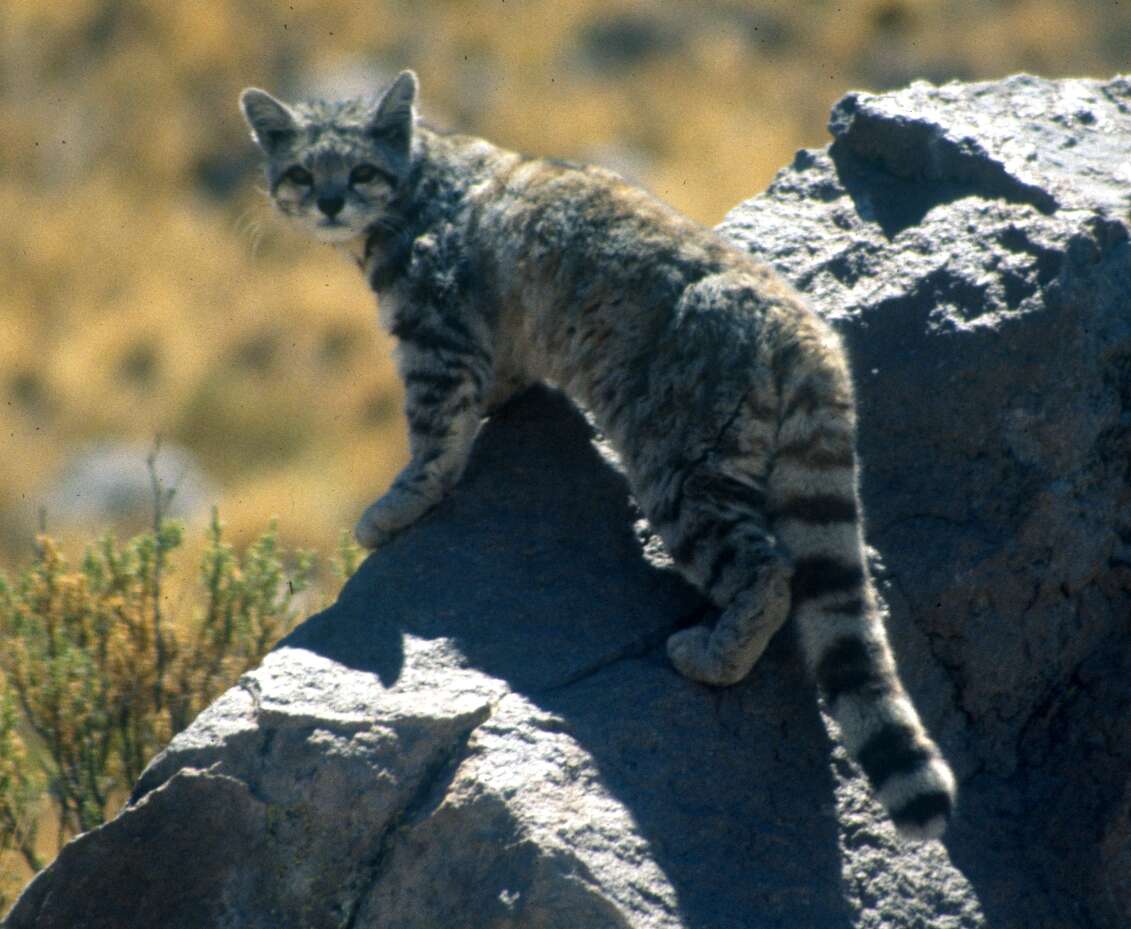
column 729, row 401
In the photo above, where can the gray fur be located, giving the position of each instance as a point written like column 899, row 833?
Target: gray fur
column 729, row 401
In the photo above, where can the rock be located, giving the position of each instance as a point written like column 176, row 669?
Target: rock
column 970, row 242
column 109, row 483
column 483, row 731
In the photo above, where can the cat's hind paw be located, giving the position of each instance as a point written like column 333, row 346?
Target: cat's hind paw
column 691, row 653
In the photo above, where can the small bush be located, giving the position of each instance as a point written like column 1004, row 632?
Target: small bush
column 96, row 675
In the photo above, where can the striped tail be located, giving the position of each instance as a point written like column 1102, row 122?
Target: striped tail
column 814, row 505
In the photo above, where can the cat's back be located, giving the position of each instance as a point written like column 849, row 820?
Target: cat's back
column 589, row 272
column 594, row 215
column 573, row 226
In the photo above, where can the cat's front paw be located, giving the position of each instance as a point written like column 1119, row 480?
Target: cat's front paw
column 369, row 532
column 691, row 653
column 379, row 523
column 395, row 511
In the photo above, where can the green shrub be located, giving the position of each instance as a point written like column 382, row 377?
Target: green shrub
column 96, row 675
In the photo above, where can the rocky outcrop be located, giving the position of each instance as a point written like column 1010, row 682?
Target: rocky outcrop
column 484, row 731
column 971, row 243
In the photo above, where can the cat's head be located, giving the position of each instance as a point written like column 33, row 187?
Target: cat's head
column 334, row 167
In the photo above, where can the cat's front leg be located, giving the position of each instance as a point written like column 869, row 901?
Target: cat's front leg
column 444, row 393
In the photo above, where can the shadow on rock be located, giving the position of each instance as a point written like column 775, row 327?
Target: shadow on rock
column 531, row 573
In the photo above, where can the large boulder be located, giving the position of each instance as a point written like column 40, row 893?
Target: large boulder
column 970, row 242
column 484, row 731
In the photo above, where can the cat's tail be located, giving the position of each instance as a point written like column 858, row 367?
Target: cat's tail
column 815, row 509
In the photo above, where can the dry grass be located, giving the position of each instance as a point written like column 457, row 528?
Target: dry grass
column 146, row 289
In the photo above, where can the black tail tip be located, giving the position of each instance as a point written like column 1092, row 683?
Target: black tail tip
column 925, row 817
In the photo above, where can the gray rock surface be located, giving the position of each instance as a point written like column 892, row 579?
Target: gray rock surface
column 484, row 731
column 970, row 242
column 108, row 483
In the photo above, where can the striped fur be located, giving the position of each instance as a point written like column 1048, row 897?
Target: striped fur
column 729, row 401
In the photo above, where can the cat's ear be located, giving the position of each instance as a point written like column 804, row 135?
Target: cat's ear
column 392, row 119
column 272, row 122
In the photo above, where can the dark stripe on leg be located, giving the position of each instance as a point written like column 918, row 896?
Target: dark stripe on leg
column 685, row 547
column 431, row 338
column 428, row 422
column 438, row 381
column 727, row 490
column 819, row 575
column 723, row 559
column 895, row 749
column 805, row 398
column 721, row 527
column 849, row 667
column 669, row 510
column 809, row 453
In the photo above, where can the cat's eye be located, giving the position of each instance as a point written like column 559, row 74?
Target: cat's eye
column 299, row 175
column 364, row 173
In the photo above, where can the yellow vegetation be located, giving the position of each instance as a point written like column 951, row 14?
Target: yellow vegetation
column 145, row 287
column 102, row 663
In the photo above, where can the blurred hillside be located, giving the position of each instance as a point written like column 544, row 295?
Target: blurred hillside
column 145, row 288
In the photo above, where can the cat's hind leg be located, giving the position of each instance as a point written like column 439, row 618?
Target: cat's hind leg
column 725, row 654
column 722, row 543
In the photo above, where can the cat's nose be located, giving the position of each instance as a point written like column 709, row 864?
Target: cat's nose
column 331, row 206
